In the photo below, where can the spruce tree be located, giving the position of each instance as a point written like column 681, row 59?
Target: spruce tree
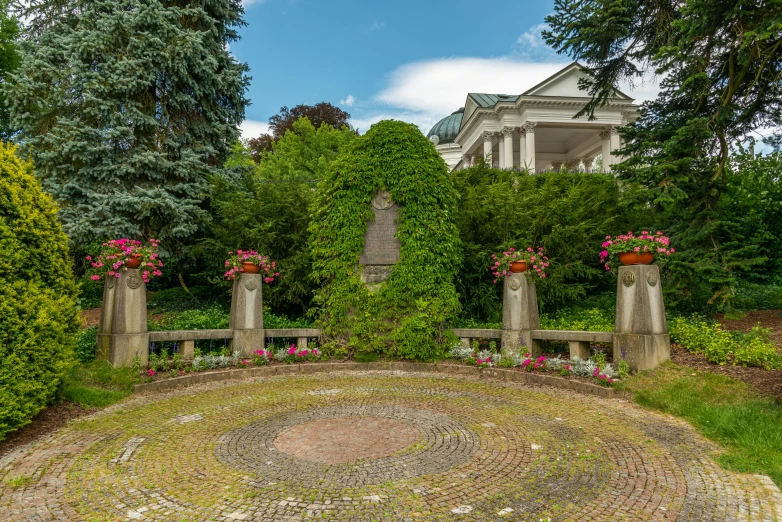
column 127, row 107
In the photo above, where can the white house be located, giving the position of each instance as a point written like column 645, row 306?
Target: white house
column 536, row 129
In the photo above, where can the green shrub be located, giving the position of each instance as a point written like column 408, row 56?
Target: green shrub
column 589, row 319
column 38, row 314
column 406, row 315
column 752, row 296
column 720, row 346
column 86, row 344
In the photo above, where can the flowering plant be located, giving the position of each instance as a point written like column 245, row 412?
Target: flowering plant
column 293, row 354
column 537, row 262
column 234, row 264
column 111, row 260
column 647, row 242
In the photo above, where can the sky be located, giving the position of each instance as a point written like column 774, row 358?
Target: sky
column 408, row 60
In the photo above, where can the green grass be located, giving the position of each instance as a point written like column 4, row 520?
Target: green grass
column 724, row 410
column 98, row 384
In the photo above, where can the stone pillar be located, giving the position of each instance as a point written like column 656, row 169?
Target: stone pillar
column 579, row 349
column 501, row 153
column 488, row 143
column 641, row 331
column 615, row 145
column 507, row 136
column 187, row 350
column 522, row 148
column 519, row 316
column 607, row 162
column 247, row 315
column 122, row 332
column 588, row 162
column 529, row 129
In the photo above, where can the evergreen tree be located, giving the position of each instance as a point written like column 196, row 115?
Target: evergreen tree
column 9, row 62
column 127, row 106
column 719, row 64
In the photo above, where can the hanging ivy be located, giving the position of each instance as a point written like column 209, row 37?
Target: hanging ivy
column 405, row 316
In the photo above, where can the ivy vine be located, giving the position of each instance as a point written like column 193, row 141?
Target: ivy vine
column 407, row 315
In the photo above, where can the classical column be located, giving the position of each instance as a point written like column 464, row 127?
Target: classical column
column 606, row 137
column 501, row 152
column 488, row 142
column 529, row 129
column 557, row 165
column 522, row 148
column 588, row 162
column 572, row 165
column 507, row 136
column 615, row 145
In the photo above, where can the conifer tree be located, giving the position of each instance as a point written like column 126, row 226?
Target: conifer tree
column 127, row 107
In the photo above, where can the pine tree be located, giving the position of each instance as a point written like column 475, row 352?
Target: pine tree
column 9, row 61
column 127, row 107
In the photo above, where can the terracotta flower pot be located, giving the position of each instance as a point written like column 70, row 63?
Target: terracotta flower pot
column 518, row 266
column 635, row 258
column 251, row 268
column 133, row 262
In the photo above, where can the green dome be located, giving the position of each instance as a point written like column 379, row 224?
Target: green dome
column 447, row 128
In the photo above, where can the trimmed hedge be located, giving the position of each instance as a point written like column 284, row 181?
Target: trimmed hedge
column 406, row 316
column 38, row 313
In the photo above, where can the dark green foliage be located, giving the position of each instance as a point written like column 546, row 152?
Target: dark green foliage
column 127, row 106
column 406, row 316
column 38, row 314
column 720, row 64
column 86, row 344
column 9, row 62
column 567, row 214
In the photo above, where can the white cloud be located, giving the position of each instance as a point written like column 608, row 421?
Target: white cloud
column 253, row 128
column 531, row 47
column 247, row 3
column 376, row 26
column 349, row 101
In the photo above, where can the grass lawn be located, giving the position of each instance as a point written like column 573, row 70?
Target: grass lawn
column 726, row 411
column 97, row 384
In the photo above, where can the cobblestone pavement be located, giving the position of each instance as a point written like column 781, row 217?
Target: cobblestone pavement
column 377, row 446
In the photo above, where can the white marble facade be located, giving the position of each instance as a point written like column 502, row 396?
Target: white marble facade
column 535, row 130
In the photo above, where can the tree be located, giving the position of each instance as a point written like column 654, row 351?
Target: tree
column 38, row 313
column 719, row 66
column 127, row 106
column 319, row 114
column 9, row 62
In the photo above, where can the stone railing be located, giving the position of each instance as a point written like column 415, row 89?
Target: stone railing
column 640, row 333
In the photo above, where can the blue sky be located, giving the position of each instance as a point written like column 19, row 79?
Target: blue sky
column 410, row 60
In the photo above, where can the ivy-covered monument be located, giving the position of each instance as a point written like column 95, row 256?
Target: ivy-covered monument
column 385, row 247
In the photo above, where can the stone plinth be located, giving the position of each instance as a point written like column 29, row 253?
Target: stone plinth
column 122, row 331
column 519, row 316
column 641, row 331
column 247, row 315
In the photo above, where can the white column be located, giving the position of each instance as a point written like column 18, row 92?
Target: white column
column 529, row 129
column 522, row 147
column 615, row 145
column 588, row 164
column 572, row 165
column 488, row 141
column 606, row 137
column 501, row 155
column 507, row 137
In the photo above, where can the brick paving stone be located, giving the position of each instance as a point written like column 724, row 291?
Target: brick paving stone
column 377, row 446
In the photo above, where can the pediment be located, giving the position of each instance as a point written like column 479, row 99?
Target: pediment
column 564, row 84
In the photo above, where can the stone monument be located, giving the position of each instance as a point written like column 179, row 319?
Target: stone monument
column 247, row 314
column 519, row 316
column 641, row 331
column 381, row 246
column 122, row 330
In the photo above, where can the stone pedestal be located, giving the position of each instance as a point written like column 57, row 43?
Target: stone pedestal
column 641, row 331
column 122, row 331
column 579, row 349
column 519, row 316
column 247, row 315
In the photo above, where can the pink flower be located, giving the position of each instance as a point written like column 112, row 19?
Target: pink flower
column 596, row 372
column 151, row 372
column 292, row 350
column 541, row 359
column 95, row 277
column 89, row 258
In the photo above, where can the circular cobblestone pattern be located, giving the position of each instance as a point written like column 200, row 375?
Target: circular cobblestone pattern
column 377, row 446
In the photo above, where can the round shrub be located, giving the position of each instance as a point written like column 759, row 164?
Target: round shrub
column 407, row 314
column 38, row 314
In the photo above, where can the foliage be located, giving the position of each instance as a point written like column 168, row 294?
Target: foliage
column 751, row 296
column 86, row 344
column 211, row 362
column 235, row 261
column 719, row 66
column 406, row 315
column 280, row 124
column 646, row 242
column 9, row 62
column 536, row 262
column 210, row 317
column 721, row 346
column 724, row 410
column 38, row 314
column 116, row 252
column 567, row 213
column 291, row 354
column 269, row 207
column 127, row 106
